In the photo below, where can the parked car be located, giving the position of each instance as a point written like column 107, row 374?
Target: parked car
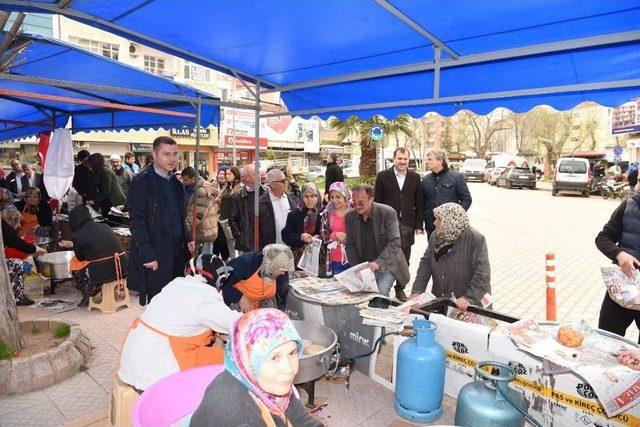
column 492, row 172
column 351, row 168
column 499, row 163
column 473, row 169
column 513, row 177
column 572, row 174
column 316, row 172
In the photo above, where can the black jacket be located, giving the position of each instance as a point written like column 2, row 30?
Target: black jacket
column 633, row 179
column 92, row 241
column 13, row 240
column 407, row 203
column 608, row 240
column 149, row 225
column 85, row 182
column 443, row 187
column 11, row 184
column 241, row 218
column 227, row 403
column 332, row 174
column 294, row 227
column 267, row 219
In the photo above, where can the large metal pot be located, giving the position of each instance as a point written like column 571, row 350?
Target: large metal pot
column 45, row 243
column 55, row 264
column 314, row 366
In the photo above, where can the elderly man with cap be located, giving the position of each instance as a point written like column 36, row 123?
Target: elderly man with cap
column 332, row 174
column 178, row 326
column 124, row 176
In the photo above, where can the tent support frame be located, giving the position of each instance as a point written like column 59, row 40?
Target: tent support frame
column 619, row 84
column 256, row 174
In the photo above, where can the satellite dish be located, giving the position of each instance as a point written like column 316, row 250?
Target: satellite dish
column 377, row 133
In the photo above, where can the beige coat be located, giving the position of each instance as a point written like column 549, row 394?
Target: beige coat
column 207, row 211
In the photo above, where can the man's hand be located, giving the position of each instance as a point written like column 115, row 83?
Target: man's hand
column 191, row 246
column 67, row 244
column 627, row 263
column 373, row 266
column 462, row 303
column 419, row 231
column 245, row 304
column 630, row 358
column 342, row 237
column 153, row 265
column 306, row 237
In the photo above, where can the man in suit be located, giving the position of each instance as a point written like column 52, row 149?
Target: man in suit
column 16, row 182
column 373, row 236
column 274, row 207
column 399, row 188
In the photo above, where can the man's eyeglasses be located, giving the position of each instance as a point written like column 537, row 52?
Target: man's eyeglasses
column 361, row 204
column 282, row 181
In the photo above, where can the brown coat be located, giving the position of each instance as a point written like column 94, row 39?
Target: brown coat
column 387, row 237
column 206, row 211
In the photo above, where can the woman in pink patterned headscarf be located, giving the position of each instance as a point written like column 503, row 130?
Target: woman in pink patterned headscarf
column 333, row 229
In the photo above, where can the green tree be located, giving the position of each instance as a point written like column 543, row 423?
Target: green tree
column 401, row 125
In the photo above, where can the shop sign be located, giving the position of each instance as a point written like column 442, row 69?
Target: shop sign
column 185, row 132
column 137, row 147
column 244, row 142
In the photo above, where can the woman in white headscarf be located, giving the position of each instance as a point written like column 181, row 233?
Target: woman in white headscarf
column 457, row 259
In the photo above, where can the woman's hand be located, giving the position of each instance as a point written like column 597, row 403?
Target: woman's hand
column 342, row 237
column 627, row 263
column 630, row 358
column 67, row 244
column 306, row 237
column 245, row 304
column 40, row 251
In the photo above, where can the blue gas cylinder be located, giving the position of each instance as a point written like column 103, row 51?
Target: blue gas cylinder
column 420, row 375
column 482, row 403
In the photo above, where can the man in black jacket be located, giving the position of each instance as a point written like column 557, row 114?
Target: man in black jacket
column 441, row 186
column 618, row 241
column 84, row 180
column 242, row 211
column 332, row 174
column 161, row 242
column 400, row 188
column 16, row 182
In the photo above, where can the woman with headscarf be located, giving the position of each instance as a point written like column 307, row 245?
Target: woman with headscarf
column 303, row 223
column 15, row 250
column 333, row 229
column 632, row 175
column 252, row 284
column 256, row 387
column 30, row 210
column 456, row 258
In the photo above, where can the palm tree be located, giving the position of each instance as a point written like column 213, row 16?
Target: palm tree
column 355, row 125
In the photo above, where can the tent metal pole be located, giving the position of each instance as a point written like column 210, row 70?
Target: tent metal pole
column 123, row 91
column 519, row 52
column 416, row 27
column 256, row 175
column 195, row 190
column 436, row 72
column 619, row 84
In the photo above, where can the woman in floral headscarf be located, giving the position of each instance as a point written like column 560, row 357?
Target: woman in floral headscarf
column 256, row 388
column 333, row 229
column 303, row 223
column 456, row 258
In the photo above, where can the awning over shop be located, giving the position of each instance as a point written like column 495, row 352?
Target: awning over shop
column 340, row 57
column 28, row 108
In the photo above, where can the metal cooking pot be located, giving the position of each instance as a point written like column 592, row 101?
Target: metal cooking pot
column 55, row 264
column 45, row 243
column 316, row 365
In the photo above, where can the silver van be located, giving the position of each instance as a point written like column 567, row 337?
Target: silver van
column 572, row 174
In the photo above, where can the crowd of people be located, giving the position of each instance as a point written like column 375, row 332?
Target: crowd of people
column 234, row 268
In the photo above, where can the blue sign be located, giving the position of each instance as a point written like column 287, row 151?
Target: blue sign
column 617, row 150
column 377, row 133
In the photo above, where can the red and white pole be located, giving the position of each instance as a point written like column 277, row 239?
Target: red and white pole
column 551, row 285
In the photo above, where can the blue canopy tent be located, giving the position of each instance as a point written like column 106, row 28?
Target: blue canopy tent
column 143, row 100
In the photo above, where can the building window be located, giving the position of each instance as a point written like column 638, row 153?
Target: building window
column 196, row 73
column 154, row 65
column 109, row 50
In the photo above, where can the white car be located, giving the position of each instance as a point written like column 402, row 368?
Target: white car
column 351, row 168
column 316, row 172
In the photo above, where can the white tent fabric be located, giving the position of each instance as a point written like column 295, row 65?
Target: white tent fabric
column 58, row 168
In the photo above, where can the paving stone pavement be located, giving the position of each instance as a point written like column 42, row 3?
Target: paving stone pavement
column 520, row 227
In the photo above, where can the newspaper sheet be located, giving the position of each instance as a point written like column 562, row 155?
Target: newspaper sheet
column 617, row 386
column 622, row 288
column 327, row 291
column 358, row 278
column 310, row 259
column 392, row 317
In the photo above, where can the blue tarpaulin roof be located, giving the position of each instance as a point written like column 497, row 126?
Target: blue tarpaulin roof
column 509, row 53
column 52, row 59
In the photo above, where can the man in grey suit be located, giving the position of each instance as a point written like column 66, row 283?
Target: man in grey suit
column 373, row 235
